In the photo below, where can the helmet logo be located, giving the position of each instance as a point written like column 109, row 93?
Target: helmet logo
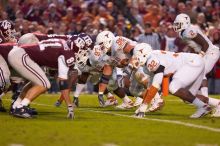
column 107, row 35
column 6, row 25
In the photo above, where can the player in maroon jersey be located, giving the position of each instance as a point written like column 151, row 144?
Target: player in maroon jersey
column 7, row 35
column 54, row 53
column 89, row 43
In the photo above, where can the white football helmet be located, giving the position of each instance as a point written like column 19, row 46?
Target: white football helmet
column 181, row 22
column 142, row 52
column 106, row 39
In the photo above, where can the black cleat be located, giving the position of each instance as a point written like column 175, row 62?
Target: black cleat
column 76, row 101
column 22, row 112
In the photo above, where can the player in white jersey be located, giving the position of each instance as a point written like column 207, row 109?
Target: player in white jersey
column 94, row 65
column 118, row 48
column 199, row 42
column 188, row 70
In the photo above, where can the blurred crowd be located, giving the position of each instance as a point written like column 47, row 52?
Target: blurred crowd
column 147, row 21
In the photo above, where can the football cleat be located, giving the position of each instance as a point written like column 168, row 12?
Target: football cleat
column 22, row 112
column 111, row 101
column 156, row 104
column 2, row 108
column 125, row 105
column 138, row 101
column 76, row 101
column 202, row 111
column 32, row 111
column 216, row 111
column 140, row 112
column 101, row 100
column 57, row 103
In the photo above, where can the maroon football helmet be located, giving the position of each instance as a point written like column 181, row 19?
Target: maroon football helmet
column 88, row 40
column 7, row 32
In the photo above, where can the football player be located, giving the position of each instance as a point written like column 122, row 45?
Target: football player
column 54, row 53
column 199, row 42
column 7, row 35
column 188, row 70
column 118, row 48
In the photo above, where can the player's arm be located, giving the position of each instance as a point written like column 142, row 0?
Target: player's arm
column 63, row 83
column 106, row 75
column 197, row 38
column 154, row 66
column 128, row 49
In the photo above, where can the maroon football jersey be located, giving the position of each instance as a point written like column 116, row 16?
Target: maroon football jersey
column 46, row 52
column 5, row 48
column 41, row 36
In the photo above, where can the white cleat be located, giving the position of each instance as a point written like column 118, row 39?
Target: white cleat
column 138, row 101
column 111, row 101
column 156, row 104
column 125, row 105
column 216, row 111
column 206, row 109
column 140, row 112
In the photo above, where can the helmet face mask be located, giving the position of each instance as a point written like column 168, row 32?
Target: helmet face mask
column 181, row 22
column 81, row 58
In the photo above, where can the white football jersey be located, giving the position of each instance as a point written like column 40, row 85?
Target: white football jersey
column 117, row 48
column 191, row 32
column 170, row 60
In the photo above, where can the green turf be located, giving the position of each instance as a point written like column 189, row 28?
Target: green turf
column 90, row 128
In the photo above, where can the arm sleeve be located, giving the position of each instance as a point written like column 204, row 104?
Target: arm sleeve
column 62, row 68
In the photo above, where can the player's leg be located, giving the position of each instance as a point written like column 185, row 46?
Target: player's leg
column 211, row 57
column 22, row 63
column 190, row 74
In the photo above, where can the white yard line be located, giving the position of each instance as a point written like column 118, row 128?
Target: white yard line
column 148, row 119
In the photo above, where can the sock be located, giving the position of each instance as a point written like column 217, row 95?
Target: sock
column 198, row 103
column 25, row 102
column 126, row 99
column 17, row 102
column 213, row 101
column 79, row 88
column 204, row 91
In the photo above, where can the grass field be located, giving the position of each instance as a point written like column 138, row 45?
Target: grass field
column 95, row 126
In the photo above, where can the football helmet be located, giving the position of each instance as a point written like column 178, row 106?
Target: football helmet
column 181, row 22
column 141, row 53
column 106, row 39
column 81, row 58
column 75, row 42
column 7, row 31
column 88, row 40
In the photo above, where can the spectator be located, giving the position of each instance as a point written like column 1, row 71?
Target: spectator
column 54, row 15
column 150, row 37
column 153, row 16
